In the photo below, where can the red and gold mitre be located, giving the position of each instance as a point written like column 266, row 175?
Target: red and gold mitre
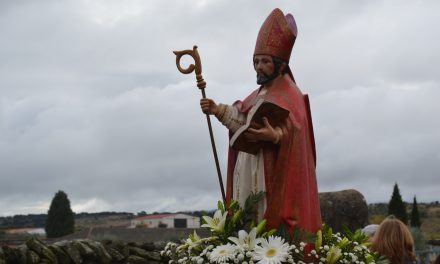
column 277, row 36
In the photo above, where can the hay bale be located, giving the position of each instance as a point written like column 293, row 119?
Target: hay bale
column 347, row 207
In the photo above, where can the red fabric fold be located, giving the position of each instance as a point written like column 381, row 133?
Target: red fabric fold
column 291, row 187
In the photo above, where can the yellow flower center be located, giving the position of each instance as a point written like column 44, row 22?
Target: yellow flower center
column 222, row 252
column 271, row 252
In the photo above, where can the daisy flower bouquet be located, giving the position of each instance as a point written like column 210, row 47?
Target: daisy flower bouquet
column 236, row 238
column 345, row 247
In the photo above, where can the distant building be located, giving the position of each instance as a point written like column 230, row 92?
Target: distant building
column 26, row 230
column 166, row 221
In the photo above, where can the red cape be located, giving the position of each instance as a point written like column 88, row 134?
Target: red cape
column 289, row 168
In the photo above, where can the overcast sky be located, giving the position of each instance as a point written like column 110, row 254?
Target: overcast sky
column 91, row 101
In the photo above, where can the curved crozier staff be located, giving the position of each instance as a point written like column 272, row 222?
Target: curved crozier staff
column 201, row 84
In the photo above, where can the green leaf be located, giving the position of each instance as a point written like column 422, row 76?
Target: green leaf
column 283, row 232
column 271, row 232
column 327, row 234
column 250, row 210
column 318, row 241
column 237, row 216
column 252, row 200
column 347, row 232
column 261, row 226
column 302, row 235
column 296, row 234
column 220, row 206
column 234, row 205
column 369, row 258
column 360, row 237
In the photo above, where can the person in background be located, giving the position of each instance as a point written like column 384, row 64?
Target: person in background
column 437, row 260
column 394, row 240
column 370, row 230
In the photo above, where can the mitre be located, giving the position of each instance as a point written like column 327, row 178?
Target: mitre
column 277, row 36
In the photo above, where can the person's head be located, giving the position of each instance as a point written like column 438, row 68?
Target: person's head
column 268, row 68
column 275, row 39
column 370, row 230
column 394, row 240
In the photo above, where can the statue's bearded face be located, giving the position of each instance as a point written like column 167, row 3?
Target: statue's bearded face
column 265, row 68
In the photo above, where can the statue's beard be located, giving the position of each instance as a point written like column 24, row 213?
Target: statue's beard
column 263, row 78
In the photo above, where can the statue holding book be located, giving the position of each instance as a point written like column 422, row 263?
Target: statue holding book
column 272, row 142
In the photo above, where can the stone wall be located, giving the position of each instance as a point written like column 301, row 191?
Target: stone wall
column 81, row 252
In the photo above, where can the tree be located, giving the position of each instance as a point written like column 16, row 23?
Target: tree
column 142, row 213
column 415, row 217
column 397, row 207
column 60, row 218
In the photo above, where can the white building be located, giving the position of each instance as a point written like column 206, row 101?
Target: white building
column 26, row 230
column 166, row 221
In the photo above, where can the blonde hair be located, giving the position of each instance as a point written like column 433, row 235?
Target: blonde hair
column 394, row 240
column 437, row 260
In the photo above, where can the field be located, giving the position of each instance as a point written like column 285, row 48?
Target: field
column 429, row 215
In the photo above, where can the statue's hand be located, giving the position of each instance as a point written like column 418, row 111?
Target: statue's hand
column 265, row 133
column 208, row 106
column 256, row 125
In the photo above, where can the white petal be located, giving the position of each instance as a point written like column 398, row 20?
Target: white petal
column 218, row 214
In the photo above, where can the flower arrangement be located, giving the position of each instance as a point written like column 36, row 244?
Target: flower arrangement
column 236, row 238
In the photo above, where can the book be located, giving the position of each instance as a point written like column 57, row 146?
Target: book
column 275, row 115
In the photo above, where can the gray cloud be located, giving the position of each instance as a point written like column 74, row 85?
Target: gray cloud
column 91, row 101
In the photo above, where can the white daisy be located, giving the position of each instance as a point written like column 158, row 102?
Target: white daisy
column 222, row 253
column 271, row 251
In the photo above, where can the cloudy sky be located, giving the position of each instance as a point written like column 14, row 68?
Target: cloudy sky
column 91, row 101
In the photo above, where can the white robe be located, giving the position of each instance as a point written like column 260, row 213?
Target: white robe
column 249, row 169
